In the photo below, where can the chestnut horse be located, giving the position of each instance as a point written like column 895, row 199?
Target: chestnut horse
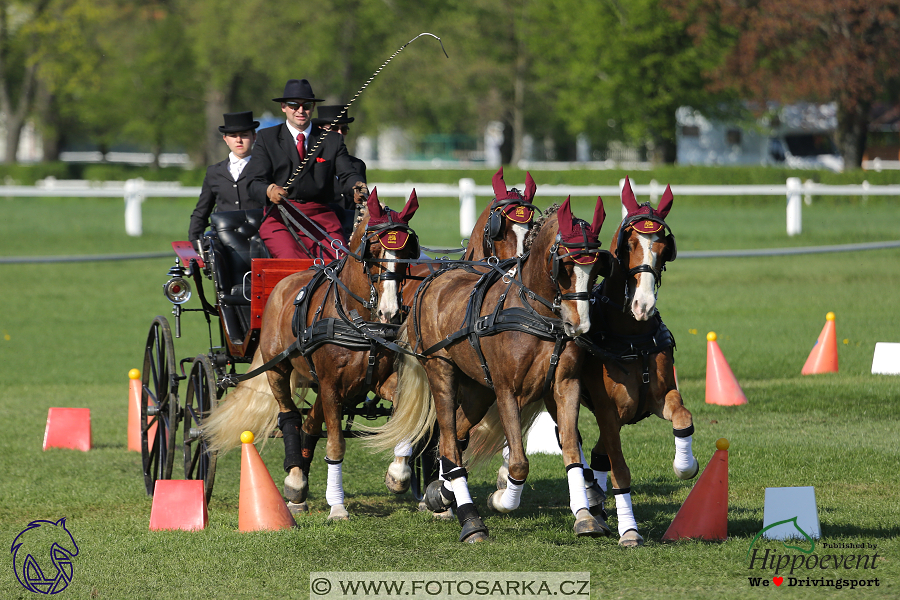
column 499, row 232
column 634, row 377
column 520, row 328
column 321, row 328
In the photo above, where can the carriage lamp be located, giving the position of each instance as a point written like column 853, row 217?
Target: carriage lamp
column 177, row 289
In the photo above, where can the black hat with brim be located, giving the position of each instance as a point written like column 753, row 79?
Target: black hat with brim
column 328, row 113
column 238, row 121
column 298, row 89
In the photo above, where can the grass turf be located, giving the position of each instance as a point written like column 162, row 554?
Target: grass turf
column 70, row 332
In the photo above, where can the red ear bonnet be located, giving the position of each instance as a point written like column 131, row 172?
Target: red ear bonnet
column 576, row 232
column 391, row 239
column 654, row 223
column 514, row 212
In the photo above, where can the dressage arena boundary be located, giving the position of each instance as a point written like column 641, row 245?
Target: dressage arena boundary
column 684, row 254
column 136, row 191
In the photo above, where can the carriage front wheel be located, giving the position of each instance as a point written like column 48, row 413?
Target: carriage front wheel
column 159, row 404
column 200, row 400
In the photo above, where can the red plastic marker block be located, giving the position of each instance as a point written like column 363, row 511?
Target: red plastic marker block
column 68, row 428
column 178, row 504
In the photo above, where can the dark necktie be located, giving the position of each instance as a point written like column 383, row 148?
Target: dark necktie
column 300, row 139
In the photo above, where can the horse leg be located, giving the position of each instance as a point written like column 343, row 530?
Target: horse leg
column 296, row 443
column 567, row 397
column 335, row 448
column 507, row 499
column 399, row 474
column 685, row 463
column 454, row 490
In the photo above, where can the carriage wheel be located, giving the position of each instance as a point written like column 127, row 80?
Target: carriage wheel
column 201, row 398
column 159, row 405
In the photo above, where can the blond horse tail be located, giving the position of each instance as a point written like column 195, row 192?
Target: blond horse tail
column 250, row 407
column 414, row 413
column 488, row 438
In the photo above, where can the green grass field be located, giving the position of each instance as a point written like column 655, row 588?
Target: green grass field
column 69, row 333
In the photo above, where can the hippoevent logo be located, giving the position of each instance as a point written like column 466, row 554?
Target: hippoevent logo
column 42, row 556
column 802, row 566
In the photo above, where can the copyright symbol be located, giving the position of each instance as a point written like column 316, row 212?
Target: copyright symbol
column 320, row 586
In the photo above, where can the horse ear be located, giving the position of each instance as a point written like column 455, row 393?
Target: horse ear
column 564, row 217
column 665, row 204
column 628, row 200
column 499, row 185
column 599, row 217
column 410, row 209
column 530, row 187
column 375, row 210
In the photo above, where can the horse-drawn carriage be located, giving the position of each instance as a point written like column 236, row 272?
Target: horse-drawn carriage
column 232, row 257
column 301, row 324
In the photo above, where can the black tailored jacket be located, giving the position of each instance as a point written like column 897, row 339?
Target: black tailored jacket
column 220, row 192
column 275, row 160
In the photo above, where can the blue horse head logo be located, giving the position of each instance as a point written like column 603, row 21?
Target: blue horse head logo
column 42, row 556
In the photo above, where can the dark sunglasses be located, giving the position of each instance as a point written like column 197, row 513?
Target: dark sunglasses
column 298, row 105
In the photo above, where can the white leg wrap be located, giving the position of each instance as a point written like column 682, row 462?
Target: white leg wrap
column 512, row 495
column 334, row 490
column 600, row 476
column 403, row 449
column 506, row 454
column 461, row 490
column 577, row 495
column 684, row 459
column 625, row 513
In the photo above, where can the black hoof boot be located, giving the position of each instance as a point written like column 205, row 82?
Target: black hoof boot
column 435, row 498
column 473, row 528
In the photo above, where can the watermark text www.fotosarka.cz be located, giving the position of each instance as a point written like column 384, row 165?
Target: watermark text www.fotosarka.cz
column 448, row 586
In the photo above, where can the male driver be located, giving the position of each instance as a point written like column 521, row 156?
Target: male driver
column 307, row 193
column 225, row 185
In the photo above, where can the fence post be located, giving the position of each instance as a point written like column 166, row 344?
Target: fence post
column 466, row 206
column 134, row 197
column 794, row 206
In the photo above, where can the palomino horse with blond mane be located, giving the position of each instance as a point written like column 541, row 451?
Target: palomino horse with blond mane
column 504, row 336
column 499, row 232
column 330, row 328
column 634, row 376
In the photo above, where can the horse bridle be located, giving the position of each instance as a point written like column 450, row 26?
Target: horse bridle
column 669, row 240
column 495, row 219
column 583, row 246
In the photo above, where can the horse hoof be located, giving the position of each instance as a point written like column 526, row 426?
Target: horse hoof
column 493, row 502
column 473, row 530
column 338, row 513
column 690, row 472
column 631, row 539
column 296, row 487
column 443, row 515
column 398, row 476
column 502, row 477
column 586, row 525
column 298, row 509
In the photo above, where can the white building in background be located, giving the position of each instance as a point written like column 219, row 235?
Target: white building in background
column 800, row 136
column 31, row 145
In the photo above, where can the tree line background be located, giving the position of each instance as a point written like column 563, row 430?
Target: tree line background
column 158, row 74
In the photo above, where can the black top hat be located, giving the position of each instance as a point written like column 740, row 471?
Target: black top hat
column 298, row 89
column 328, row 112
column 239, row 121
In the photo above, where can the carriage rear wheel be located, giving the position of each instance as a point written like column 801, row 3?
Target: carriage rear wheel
column 201, row 398
column 159, row 405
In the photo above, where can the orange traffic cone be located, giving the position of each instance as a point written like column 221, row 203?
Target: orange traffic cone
column 722, row 387
column 704, row 514
column 824, row 356
column 260, row 506
column 134, row 411
column 68, row 428
column 179, row 504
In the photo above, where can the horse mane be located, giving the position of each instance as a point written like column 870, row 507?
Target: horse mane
column 538, row 224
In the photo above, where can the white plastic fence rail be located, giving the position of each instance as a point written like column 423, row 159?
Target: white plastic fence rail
column 136, row 191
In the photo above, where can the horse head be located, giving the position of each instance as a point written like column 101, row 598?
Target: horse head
column 642, row 248
column 505, row 222
column 384, row 244
column 574, row 261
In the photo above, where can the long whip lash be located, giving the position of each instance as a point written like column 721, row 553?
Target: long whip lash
column 344, row 110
